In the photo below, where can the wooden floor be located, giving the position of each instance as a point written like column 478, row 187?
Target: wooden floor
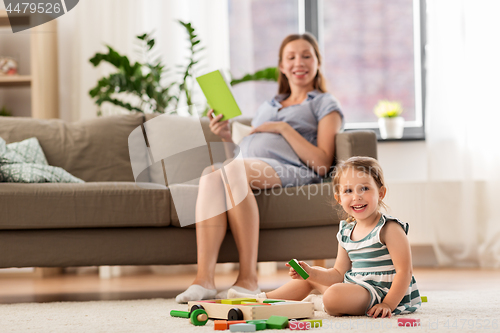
column 87, row 287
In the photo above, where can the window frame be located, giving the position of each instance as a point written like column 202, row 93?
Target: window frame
column 414, row 130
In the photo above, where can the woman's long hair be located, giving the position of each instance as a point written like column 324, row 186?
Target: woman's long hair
column 319, row 80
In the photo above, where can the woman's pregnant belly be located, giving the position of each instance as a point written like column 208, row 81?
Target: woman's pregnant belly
column 269, row 145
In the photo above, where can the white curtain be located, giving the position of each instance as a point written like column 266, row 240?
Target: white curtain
column 93, row 23
column 463, row 125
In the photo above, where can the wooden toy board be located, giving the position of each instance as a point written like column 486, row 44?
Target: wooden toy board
column 260, row 310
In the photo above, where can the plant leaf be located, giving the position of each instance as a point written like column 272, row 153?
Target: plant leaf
column 266, row 74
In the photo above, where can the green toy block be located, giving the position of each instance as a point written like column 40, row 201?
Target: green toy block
column 253, row 304
column 177, row 313
column 272, row 301
column 314, row 322
column 284, row 302
column 424, row 299
column 277, row 322
column 296, row 266
column 199, row 317
column 259, row 324
column 238, row 300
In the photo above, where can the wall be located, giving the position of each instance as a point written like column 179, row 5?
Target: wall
column 94, row 23
column 405, row 171
column 423, row 199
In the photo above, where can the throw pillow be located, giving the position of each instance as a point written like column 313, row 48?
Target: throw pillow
column 239, row 131
column 25, row 162
column 27, row 151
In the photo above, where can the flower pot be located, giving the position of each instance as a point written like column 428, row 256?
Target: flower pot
column 391, row 128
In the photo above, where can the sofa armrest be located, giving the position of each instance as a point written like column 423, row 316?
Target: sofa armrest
column 355, row 143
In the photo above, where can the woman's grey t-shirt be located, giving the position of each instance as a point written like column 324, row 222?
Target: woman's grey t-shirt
column 304, row 118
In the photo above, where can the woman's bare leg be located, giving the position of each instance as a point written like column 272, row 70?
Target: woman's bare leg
column 209, row 232
column 244, row 218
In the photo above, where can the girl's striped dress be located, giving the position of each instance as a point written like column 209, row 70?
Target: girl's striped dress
column 372, row 267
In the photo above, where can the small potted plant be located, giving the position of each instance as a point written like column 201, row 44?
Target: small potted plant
column 390, row 123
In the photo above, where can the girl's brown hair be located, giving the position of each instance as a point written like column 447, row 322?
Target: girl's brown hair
column 319, row 80
column 368, row 165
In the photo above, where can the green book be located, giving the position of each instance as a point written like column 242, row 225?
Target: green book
column 219, row 95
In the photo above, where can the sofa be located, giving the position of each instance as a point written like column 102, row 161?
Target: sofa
column 110, row 220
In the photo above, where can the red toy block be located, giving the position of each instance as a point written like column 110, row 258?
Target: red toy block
column 409, row 322
column 231, row 322
column 295, row 325
column 220, row 325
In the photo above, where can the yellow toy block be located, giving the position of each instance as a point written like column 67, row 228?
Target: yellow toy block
column 237, row 300
column 314, row 322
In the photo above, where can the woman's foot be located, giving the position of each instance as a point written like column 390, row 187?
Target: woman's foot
column 195, row 292
column 242, row 285
column 239, row 292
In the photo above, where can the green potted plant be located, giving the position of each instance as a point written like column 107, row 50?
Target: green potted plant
column 144, row 81
column 266, row 74
column 4, row 112
column 390, row 122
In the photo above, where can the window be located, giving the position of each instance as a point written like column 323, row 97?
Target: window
column 372, row 50
column 256, row 29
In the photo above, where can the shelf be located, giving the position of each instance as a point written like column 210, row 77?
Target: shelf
column 16, row 19
column 15, row 80
column 42, row 79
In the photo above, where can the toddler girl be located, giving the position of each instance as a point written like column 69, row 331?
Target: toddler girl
column 373, row 271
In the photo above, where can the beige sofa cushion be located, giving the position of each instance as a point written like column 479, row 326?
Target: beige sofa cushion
column 89, row 205
column 209, row 136
column 93, row 150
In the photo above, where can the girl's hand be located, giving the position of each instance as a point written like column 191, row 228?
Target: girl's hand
column 277, row 127
column 220, row 128
column 294, row 275
column 383, row 309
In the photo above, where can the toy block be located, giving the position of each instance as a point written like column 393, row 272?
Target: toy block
column 237, row 300
column 220, row 325
column 254, row 304
column 409, row 322
column 181, row 314
column 242, row 328
column 259, row 311
column 424, row 299
column 234, row 322
column 272, row 301
column 259, row 324
column 282, row 303
column 277, row 322
column 198, row 317
column 315, row 323
column 296, row 266
column 295, row 325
